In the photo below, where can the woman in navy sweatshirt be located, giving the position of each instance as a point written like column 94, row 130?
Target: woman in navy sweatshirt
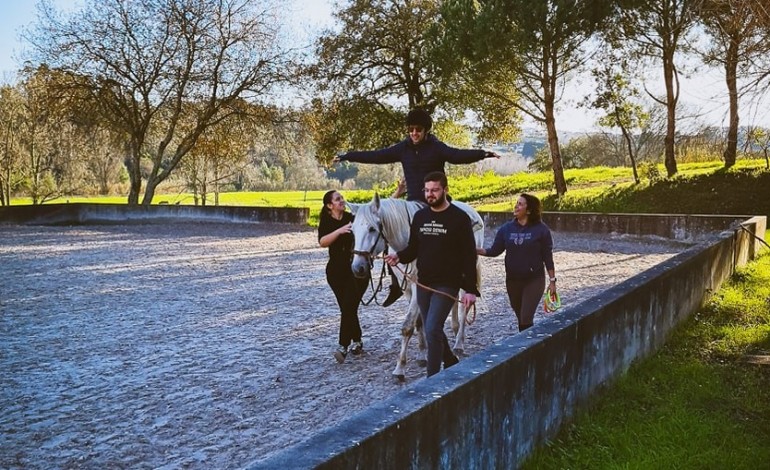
column 528, row 249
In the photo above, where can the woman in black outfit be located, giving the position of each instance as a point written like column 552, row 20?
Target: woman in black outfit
column 334, row 232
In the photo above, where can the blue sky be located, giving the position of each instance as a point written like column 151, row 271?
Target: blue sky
column 702, row 91
column 17, row 14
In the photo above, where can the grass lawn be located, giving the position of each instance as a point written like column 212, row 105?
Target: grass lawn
column 696, row 404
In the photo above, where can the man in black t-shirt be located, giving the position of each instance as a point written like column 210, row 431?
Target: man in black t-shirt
column 441, row 239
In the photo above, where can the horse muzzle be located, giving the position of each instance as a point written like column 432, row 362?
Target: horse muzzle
column 361, row 265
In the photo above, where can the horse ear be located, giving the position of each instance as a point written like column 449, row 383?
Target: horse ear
column 376, row 201
column 353, row 207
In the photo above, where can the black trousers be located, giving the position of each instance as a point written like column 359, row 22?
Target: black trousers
column 348, row 290
column 525, row 296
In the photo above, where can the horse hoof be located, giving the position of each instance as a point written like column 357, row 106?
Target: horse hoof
column 459, row 352
column 399, row 378
column 422, row 363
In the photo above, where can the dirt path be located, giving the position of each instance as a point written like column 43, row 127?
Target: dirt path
column 208, row 345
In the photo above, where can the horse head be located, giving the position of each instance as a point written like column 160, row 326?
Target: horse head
column 367, row 234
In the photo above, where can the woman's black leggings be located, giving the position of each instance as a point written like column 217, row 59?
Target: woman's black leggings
column 525, row 296
column 348, row 290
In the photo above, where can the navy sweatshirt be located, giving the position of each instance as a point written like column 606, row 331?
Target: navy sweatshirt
column 417, row 160
column 527, row 249
column 445, row 249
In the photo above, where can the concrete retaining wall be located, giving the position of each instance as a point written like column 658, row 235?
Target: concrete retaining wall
column 679, row 227
column 87, row 213
column 494, row 408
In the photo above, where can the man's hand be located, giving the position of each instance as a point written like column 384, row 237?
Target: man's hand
column 392, row 259
column 336, row 159
column 491, row 154
column 468, row 300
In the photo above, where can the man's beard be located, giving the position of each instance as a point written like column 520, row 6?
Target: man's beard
column 438, row 202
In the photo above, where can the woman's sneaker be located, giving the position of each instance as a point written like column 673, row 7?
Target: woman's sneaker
column 357, row 347
column 340, row 354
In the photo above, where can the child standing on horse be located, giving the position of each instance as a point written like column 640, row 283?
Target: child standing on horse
column 420, row 154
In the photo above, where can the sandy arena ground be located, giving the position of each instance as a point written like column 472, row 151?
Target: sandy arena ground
column 209, row 345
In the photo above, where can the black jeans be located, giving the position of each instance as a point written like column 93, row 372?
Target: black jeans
column 434, row 309
column 348, row 290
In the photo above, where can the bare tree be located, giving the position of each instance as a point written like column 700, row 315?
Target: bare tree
column 219, row 154
column 155, row 65
column 11, row 107
column 40, row 127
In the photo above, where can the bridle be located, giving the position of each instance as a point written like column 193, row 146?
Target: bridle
column 369, row 255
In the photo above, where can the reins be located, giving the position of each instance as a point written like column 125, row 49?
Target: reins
column 369, row 255
column 468, row 318
column 743, row 227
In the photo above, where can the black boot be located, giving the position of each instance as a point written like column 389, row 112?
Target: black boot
column 394, row 294
column 395, row 290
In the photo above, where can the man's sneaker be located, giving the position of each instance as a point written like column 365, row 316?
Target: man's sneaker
column 450, row 362
column 357, row 348
column 394, row 294
column 340, row 354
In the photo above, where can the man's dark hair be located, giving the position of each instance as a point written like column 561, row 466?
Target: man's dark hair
column 419, row 117
column 437, row 176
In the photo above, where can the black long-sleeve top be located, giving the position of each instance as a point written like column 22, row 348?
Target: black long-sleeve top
column 445, row 249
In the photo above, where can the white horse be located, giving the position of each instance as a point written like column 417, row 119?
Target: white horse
column 384, row 222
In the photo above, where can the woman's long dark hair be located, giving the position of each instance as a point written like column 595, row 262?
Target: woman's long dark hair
column 327, row 199
column 535, row 209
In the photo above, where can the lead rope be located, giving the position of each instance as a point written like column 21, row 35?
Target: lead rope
column 468, row 318
column 752, row 234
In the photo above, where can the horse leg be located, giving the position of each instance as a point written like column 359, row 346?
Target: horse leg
column 422, row 343
column 406, row 334
column 458, row 328
column 411, row 324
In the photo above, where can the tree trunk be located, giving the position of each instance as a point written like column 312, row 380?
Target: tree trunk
column 134, row 173
column 671, row 100
column 149, row 191
column 630, row 146
column 731, row 67
column 216, row 184
column 556, row 165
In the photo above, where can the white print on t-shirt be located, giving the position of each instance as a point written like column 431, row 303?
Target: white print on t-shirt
column 433, row 228
column 519, row 238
